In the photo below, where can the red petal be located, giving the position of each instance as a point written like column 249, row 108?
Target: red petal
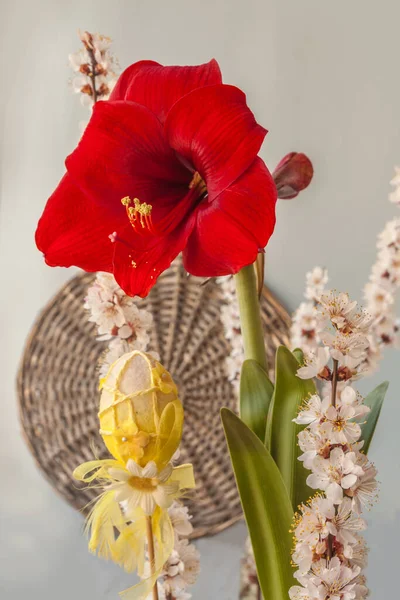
column 232, row 228
column 123, row 153
column 215, row 131
column 139, row 261
column 73, row 231
column 158, row 87
column 120, row 91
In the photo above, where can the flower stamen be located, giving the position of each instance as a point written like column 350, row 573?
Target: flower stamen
column 139, row 213
column 198, row 184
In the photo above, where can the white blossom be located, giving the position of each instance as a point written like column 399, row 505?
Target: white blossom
column 308, row 592
column 118, row 318
column 361, row 591
column 116, row 348
column 395, row 182
column 314, row 410
column 316, row 281
column 182, row 568
column 348, row 349
column 230, row 318
column 161, row 592
column 339, row 427
column 346, row 523
column 379, row 298
column 143, row 486
column 305, row 328
column 389, row 238
column 336, row 308
column 327, row 581
column 319, row 519
column 365, row 489
column 349, row 398
column 334, row 474
column 315, row 516
column 314, row 364
column 358, row 552
column 180, row 519
column 181, row 595
column 312, row 443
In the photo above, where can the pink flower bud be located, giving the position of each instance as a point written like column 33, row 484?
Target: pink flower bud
column 293, row 174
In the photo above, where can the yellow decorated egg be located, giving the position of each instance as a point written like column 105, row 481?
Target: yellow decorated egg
column 140, row 414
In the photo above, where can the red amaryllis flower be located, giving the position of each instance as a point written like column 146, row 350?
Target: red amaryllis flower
column 168, row 164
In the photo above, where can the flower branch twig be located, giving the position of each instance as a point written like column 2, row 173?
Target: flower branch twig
column 152, row 555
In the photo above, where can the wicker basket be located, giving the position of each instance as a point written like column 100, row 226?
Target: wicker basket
column 58, row 379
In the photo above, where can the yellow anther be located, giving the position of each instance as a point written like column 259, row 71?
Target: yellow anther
column 138, row 212
column 142, row 207
column 199, row 183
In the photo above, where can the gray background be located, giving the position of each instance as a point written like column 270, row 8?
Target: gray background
column 323, row 77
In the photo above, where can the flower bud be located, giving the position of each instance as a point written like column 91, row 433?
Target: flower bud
column 140, row 414
column 293, row 174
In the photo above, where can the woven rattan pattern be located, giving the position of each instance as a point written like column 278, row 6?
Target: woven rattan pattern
column 58, row 379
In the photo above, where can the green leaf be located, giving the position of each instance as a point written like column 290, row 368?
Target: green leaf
column 299, row 355
column 256, row 392
column 266, row 506
column 290, row 393
column 374, row 400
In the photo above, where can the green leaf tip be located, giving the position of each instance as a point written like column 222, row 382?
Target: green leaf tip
column 256, row 392
column 266, row 506
column 375, row 402
column 290, row 393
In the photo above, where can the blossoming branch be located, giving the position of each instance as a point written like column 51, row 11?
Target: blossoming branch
column 118, row 318
column 305, row 328
column 384, row 282
column 329, row 552
column 95, row 68
column 379, row 296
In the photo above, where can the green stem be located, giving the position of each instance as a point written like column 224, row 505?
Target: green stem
column 250, row 316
